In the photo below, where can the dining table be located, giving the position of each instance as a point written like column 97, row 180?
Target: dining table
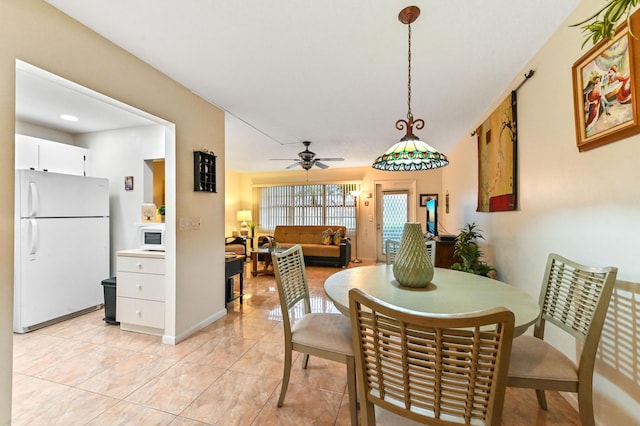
column 450, row 292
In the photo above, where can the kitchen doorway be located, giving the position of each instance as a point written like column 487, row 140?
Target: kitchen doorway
column 120, row 138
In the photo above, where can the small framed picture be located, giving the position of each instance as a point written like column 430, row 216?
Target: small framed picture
column 426, row 197
column 128, row 183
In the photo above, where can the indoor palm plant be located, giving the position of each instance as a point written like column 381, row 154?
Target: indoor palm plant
column 468, row 253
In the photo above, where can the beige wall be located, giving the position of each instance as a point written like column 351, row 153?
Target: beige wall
column 585, row 206
column 36, row 33
column 237, row 197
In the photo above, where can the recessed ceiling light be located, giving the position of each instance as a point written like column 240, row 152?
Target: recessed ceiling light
column 68, row 117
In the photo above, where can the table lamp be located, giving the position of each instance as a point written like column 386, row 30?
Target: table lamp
column 244, row 216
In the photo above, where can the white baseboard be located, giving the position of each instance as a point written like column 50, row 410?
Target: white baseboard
column 174, row 340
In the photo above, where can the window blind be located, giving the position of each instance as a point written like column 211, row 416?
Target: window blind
column 311, row 204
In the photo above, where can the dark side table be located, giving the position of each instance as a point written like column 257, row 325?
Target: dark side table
column 233, row 266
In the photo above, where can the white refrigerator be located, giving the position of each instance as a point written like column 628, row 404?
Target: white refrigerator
column 61, row 246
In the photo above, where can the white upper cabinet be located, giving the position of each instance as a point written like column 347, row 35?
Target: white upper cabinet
column 41, row 154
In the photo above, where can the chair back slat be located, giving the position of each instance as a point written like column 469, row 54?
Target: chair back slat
column 573, row 294
column 291, row 280
column 431, row 251
column 390, row 249
column 449, row 367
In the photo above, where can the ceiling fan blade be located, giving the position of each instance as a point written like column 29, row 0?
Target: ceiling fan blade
column 329, row 159
column 291, row 166
column 321, row 165
column 283, row 159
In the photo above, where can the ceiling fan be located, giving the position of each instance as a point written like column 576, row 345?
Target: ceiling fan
column 308, row 159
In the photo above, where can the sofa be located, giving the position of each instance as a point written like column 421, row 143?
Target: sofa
column 310, row 238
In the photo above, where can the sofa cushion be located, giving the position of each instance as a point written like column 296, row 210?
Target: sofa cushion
column 320, row 250
column 302, row 234
column 327, row 236
column 336, row 239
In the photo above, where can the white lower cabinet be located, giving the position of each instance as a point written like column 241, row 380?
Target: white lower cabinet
column 140, row 291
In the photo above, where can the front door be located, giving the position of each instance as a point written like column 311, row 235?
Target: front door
column 393, row 213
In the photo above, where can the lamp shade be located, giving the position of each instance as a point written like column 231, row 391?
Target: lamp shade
column 409, row 155
column 243, row 216
column 355, row 193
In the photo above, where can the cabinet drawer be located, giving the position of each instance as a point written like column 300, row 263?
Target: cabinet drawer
column 140, row 286
column 140, row 264
column 146, row 313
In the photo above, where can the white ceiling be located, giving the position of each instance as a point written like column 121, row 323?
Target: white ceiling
column 333, row 72
column 41, row 97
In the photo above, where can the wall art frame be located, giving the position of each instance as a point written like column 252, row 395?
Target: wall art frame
column 605, row 89
column 497, row 158
column 426, row 197
column 128, row 183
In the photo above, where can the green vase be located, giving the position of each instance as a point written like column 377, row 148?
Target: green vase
column 412, row 266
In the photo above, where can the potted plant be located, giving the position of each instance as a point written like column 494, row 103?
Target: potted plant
column 161, row 212
column 467, row 251
column 602, row 24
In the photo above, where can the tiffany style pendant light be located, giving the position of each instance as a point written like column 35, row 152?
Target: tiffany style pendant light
column 410, row 153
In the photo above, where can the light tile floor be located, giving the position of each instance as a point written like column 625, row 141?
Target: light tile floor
column 84, row 372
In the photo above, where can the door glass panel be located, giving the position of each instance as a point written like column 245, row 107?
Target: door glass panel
column 394, row 215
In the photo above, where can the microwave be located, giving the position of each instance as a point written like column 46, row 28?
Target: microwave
column 152, row 236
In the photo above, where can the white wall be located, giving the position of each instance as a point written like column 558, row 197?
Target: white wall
column 116, row 154
column 584, row 206
column 36, row 131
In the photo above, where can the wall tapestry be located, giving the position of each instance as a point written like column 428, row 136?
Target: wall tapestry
column 497, row 180
column 604, row 90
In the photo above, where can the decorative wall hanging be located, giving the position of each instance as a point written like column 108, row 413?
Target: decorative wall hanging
column 497, row 143
column 204, row 171
column 604, row 89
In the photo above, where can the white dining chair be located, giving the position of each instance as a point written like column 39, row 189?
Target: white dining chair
column 430, row 368
column 431, row 251
column 390, row 249
column 574, row 298
column 321, row 334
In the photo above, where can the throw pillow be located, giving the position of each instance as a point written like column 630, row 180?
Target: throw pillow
column 326, row 236
column 337, row 237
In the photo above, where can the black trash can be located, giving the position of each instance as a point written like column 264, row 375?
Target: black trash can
column 109, row 288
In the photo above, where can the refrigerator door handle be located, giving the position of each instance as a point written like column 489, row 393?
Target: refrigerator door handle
column 33, row 236
column 33, row 199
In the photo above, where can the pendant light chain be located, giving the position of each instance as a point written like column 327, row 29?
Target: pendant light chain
column 410, row 154
column 409, row 114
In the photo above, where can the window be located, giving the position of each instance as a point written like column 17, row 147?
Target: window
column 318, row 204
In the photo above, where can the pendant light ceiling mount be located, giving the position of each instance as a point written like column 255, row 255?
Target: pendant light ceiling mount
column 410, row 153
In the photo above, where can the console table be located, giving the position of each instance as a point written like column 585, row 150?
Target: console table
column 233, row 266
column 444, row 254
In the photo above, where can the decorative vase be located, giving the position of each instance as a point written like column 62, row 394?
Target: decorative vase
column 412, row 266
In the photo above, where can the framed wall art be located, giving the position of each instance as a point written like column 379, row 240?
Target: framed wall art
column 426, row 197
column 128, row 183
column 604, row 89
column 497, row 149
